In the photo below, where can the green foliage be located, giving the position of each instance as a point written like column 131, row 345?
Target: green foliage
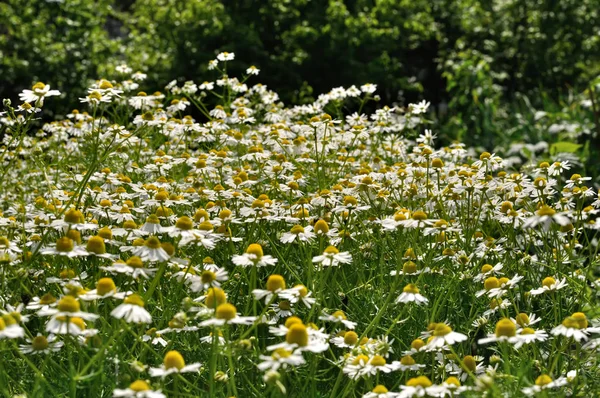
column 61, row 43
column 473, row 59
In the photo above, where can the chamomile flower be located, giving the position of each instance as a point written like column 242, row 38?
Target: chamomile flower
column 506, row 330
column 132, row 310
column 227, row 314
column 298, row 233
column 134, row 266
column 522, row 320
column 544, row 382
column 410, row 294
column 9, row 328
column 225, row 56
column 549, row 284
column 298, row 338
column 152, row 250
column 138, row 389
column 545, row 217
column 174, row 363
column 38, row 92
column 209, row 278
column 254, row 256
column 332, row 257
column 275, row 285
column 379, row 391
column 362, row 365
column 298, row 293
column 105, row 288
column 575, row 326
column 529, row 335
column 419, row 386
column 442, row 335
column 41, row 345
column 280, row 358
column 338, row 317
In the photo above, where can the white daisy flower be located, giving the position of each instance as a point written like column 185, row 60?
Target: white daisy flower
column 132, row 310
column 174, row 363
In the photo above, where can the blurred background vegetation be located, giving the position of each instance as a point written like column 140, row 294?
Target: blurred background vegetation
column 499, row 73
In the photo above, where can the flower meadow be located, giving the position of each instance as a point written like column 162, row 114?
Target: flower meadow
column 206, row 240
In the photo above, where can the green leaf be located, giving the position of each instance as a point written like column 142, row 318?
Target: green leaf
column 564, row 146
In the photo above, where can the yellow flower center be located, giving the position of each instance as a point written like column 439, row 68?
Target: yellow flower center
column 548, row 281
column 407, row 360
column 129, row 224
column 139, row 385
column 470, row 363
column 491, row 283
column 96, row 245
column 105, row 233
column 105, row 84
column 453, row 381
column 419, row 215
column 68, row 304
column 297, row 229
column 39, row 343
column 527, row 331
column 281, row 353
column 74, row 216
column 64, row 244
column 135, row 262
column 570, row 322
column 321, row 227
column 486, row 268
column 184, row 223
column 411, row 288
column 152, row 219
column 378, row 360
column 208, row 276
column 47, row 299
column 339, row 314
column 152, row 242
column 421, row 381
column 215, row 297
column 417, row 344
column 134, row 299
column 441, row 329
column 292, row 321
column 360, row 358
column 9, row 320
column 256, row 250
column 173, row 359
column 505, row 328
column 297, row 334
column 546, row 210
column 522, row 319
column 379, row 389
column 105, row 286
column 226, row 311
column 399, row 216
column 275, row 282
column 285, row 305
column 350, row 338
column 409, row 267
column 331, row 250
column 350, row 201
column 581, row 319
column 543, row 380
column 302, row 290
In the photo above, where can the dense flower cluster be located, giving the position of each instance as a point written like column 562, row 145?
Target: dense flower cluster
column 161, row 244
